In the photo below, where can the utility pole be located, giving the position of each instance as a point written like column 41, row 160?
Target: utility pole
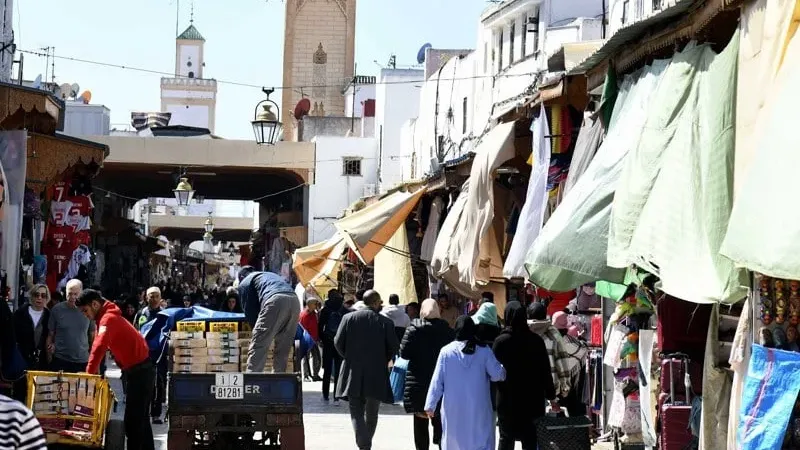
column 7, row 45
column 353, row 112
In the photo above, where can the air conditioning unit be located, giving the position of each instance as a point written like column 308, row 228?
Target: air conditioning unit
column 370, row 190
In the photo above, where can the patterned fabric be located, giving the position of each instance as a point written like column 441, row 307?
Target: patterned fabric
column 143, row 120
column 558, row 354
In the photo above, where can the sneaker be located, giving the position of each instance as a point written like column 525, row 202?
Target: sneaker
column 306, row 379
column 336, row 402
column 157, row 421
column 316, row 378
column 325, row 399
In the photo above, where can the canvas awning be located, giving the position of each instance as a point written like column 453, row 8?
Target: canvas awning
column 50, row 156
column 368, row 230
column 318, row 263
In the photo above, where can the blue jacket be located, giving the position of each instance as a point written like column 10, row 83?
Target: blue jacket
column 257, row 288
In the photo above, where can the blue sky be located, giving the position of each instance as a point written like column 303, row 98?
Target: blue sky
column 244, row 43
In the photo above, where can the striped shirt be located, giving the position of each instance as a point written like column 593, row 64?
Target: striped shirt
column 19, row 429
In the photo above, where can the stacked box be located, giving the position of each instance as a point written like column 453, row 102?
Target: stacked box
column 189, row 351
column 56, row 395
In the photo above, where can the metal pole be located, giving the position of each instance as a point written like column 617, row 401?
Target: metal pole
column 353, row 112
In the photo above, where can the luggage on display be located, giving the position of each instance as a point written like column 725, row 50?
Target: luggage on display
column 676, row 360
column 675, row 411
column 557, row 432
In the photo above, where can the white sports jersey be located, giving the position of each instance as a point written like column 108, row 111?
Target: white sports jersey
column 59, row 211
column 80, row 257
column 79, row 223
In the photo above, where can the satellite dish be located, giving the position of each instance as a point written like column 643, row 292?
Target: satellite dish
column 421, row 52
column 37, row 83
column 73, row 92
column 65, row 90
column 86, row 97
column 302, row 108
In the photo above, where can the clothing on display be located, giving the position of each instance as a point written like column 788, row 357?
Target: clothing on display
column 79, row 258
column 59, row 211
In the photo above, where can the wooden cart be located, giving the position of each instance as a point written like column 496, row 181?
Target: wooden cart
column 99, row 430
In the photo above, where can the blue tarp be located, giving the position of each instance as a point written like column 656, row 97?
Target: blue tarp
column 770, row 391
column 156, row 331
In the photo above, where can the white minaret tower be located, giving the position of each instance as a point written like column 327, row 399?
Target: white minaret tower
column 6, row 39
column 190, row 98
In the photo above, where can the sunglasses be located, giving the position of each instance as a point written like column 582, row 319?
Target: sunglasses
column 40, row 295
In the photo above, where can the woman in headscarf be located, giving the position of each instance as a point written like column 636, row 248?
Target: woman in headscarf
column 421, row 344
column 521, row 397
column 461, row 380
column 488, row 327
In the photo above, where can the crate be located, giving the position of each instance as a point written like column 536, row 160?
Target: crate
column 88, row 414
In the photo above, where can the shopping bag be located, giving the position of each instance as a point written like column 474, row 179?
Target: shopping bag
column 398, row 378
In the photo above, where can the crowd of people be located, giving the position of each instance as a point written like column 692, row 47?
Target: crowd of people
column 466, row 375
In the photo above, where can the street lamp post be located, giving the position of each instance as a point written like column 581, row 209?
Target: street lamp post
column 266, row 125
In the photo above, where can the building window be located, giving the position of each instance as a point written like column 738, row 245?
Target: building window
column 511, row 37
column 625, row 12
column 485, row 57
column 351, row 167
column 524, row 37
column 464, row 116
column 191, row 74
column 500, row 51
column 656, row 5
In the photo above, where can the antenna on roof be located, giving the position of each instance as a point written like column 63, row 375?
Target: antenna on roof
column 177, row 17
column 191, row 14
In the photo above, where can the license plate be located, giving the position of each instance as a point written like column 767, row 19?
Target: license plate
column 229, row 393
column 229, row 386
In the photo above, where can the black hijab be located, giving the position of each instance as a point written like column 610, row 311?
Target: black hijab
column 537, row 311
column 465, row 332
column 515, row 318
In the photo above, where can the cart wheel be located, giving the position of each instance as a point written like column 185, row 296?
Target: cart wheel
column 115, row 435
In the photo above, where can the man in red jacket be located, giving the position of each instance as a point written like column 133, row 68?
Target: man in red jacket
column 310, row 321
column 130, row 351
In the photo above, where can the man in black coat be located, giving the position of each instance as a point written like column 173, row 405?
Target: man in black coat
column 30, row 329
column 367, row 342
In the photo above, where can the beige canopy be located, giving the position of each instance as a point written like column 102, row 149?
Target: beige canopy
column 318, row 264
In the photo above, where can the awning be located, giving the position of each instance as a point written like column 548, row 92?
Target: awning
column 571, row 54
column 31, row 109
column 318, row 262
column 458, row 245
column 367, row 231
column 50, row 156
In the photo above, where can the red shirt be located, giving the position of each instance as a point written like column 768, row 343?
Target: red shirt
column 59, row 191
column 116, row 334
column 81, row 205
column 310, row 322
column 59, row 237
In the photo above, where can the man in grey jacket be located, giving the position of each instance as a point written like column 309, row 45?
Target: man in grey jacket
column 367, row 342
column 273, row 310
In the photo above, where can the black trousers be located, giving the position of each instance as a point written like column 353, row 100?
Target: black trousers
column 141, row 382
column 512, row 432
column 159, row 394
column 422, row 439
column 331, row 363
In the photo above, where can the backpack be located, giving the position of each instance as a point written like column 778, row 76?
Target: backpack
column 333, row 324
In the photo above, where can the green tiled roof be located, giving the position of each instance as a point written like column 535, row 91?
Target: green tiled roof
column 191, row 34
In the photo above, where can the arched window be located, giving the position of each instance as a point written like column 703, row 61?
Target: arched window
column 319, row 75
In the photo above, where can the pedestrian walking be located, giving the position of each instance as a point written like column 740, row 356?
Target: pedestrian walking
column 448, row 311
column 330, row 317
column 273, row 310
column 310, row 321
column 31, row 330
column 132, row 355
column 421, row 344
column 19, row 429
column 460, row 381
column 397, row 315
column 70, row 333
column 488, row 327
column 367, row 342
column 146, row 315
column 521, row 397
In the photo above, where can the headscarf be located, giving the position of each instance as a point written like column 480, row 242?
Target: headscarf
column 465, row 332
column 537, row 311
column 560, row 320
column 486, row 315
column 516, row 321
column 430, row 310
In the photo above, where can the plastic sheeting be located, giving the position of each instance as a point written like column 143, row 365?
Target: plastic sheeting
column 443, row 262
column 393, row 269
column 571, row 249
column 589, row 139
column 764, row 230
column 318, row 264
column 531, row 217
column 770, row 391
column 673, row 200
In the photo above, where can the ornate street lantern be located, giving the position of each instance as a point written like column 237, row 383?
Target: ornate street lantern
column 208, row 226
column 266, row 125
column 183, row 192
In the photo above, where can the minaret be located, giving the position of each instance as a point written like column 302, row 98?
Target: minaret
column 318, row 56
column 190, row 98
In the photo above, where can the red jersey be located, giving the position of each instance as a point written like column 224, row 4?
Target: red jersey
column 310, row 322
column 81, row 205
column 59, row 191
column 82, row 238
column 57, row 264
column 60, row 237
column 116, row 334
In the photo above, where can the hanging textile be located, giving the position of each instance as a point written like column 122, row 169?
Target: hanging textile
column 674, row 196
column 761, row 243
column 393, row 269
column 770, row 391
column 431, row 230
column 443, row 261
column 646, row 341
column 739, row 360
column 589, row 139
column 532, row 215
column 609, row 97
column 571, row 249
column 716, row 392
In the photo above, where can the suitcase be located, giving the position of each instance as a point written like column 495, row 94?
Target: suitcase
column 557, row 432
column 682, row 325
column 695, row 373
column 675, row 412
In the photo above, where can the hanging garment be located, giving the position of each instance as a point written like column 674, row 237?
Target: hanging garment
column 717, row 381
column 581, row 221
column 431, row 231
column 80, row 257
column 59, row 211
column 589, row 140
column 532, row 214
column 674, row 195
column 739, row 360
